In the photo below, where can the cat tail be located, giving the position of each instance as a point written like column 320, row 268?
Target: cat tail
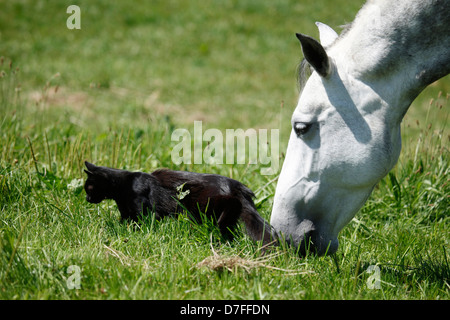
column 257, row 228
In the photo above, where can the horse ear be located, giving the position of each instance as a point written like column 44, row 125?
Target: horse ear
column 315, row 54
column 327, row 34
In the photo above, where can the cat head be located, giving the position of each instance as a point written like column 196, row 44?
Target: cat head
column 98, row 185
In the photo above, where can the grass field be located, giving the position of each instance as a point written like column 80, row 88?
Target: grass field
column 114, row 91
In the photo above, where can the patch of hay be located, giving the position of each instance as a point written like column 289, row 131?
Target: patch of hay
column 220, row 263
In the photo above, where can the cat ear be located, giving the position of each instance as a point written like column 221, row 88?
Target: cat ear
column 90, row 167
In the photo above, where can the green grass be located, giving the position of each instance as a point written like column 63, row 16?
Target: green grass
column 114, row 91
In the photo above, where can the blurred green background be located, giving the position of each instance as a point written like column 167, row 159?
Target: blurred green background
column 228, row 63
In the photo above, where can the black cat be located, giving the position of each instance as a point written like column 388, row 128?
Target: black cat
column 166, row 192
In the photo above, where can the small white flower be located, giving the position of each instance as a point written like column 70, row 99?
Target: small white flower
column 75, row 184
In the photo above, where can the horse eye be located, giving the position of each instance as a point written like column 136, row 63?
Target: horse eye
column 301, row 128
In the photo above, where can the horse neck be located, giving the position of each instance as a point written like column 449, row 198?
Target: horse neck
column 397, row 47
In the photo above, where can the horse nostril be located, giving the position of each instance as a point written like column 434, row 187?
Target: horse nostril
column 307, row 245
column 313, row 243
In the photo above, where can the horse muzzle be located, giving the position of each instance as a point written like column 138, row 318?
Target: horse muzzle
column 307, row 238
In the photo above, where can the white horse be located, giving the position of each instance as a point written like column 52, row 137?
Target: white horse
column 346, row 127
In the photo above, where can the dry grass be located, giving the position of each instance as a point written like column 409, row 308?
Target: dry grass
column 220, row 263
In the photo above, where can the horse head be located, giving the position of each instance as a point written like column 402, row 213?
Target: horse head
column 345, row 132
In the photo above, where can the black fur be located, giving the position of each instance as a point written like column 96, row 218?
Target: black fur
column 167, row 192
